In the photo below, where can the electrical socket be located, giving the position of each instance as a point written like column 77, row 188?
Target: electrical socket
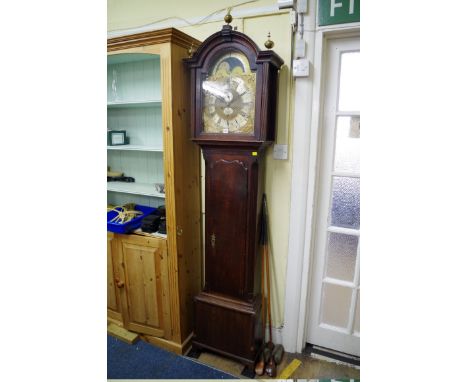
column 301, row 67
column 280, row 152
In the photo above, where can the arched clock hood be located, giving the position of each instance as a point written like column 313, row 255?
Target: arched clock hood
column 265, row 63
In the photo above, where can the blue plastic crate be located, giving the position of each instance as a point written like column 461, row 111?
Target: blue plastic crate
column 130, row 225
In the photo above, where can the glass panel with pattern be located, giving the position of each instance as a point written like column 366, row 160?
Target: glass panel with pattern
column 336, row 301
column 345, row 209
column 350, row 80
column 342, row 253
column 347, row 157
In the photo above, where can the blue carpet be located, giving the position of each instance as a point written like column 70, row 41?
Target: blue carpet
column 145, row 361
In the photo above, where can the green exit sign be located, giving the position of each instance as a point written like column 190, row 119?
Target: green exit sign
column 338, row 11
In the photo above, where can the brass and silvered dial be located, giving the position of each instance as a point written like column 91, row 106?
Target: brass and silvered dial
column 229, row 96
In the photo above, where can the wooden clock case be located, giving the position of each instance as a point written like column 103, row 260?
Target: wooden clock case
column 227, row 311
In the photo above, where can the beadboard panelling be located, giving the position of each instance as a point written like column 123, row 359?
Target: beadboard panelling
column 135, row 80
column 118, row 199
column 144, row 166
column 142, row 124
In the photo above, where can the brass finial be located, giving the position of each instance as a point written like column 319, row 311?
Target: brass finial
column 190, row 51
column 268, row 43
column 228, row 17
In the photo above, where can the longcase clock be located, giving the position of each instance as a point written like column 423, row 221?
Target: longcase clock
column 233, row 116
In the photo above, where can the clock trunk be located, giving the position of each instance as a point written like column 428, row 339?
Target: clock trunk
column 228, row 309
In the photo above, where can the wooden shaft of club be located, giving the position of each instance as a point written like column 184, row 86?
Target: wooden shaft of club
column 263, row 292
column 267, row 256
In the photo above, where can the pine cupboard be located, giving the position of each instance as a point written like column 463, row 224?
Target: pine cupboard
column 153, row 279
column 114, row 312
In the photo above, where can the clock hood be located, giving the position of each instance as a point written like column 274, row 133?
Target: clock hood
column 227, row 37
column 265, row 64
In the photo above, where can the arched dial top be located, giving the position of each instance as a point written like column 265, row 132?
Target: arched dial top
column 228, row 101
column 234, row 89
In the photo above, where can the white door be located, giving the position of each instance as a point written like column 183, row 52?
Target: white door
column 334, row 306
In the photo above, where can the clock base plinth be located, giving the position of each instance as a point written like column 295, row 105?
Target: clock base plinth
column 228, row 326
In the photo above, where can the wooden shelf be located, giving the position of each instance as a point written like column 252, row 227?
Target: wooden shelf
column 135, row 148
column 131, row 104
column 147, row 189
column 138, row 231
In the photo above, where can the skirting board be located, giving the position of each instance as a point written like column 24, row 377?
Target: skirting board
column 169, row 345
column 277, row 335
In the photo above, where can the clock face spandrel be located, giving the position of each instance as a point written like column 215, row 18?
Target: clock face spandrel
column 229, row 96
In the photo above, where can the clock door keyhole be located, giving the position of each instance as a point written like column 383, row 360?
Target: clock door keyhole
column 213, row 240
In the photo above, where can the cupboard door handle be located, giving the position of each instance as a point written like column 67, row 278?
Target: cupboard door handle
column 119, row 283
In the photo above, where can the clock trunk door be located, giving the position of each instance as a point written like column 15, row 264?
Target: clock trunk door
column 228, row 229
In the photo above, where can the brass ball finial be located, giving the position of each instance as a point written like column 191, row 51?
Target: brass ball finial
column 268, row 43
column 190, row 51
column 228, row 17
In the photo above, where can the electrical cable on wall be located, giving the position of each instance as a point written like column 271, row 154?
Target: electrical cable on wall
column 228, row 9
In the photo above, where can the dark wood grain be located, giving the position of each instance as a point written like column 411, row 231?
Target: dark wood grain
column 231, row 178
column 228, row 326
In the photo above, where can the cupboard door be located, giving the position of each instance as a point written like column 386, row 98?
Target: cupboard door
column 113, row 300
column 145, row 306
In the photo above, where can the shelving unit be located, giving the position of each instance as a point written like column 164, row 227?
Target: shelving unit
column 154, row 234
column 147, row 189
column 152, row 278
column 135, row 148
column 134, row 105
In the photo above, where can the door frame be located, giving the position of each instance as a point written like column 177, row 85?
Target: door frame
column 306, row 148
column 318, row 332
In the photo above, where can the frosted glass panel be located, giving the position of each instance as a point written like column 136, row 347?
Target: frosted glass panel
column 336, row 301
column 350, row 82
column 345, row 202
column 341, row 259
column 347, row 156
column 357, row 313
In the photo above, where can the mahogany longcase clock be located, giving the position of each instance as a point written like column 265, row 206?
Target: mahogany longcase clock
column 233, row 115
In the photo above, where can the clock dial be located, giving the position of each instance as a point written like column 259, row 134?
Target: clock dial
column 229, row 96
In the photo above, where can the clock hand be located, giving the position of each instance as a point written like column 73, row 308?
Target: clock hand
column 216, row 92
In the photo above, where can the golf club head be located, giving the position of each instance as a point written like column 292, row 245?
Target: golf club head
column 260, row 367
column 278, row 352
column 270, row 368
